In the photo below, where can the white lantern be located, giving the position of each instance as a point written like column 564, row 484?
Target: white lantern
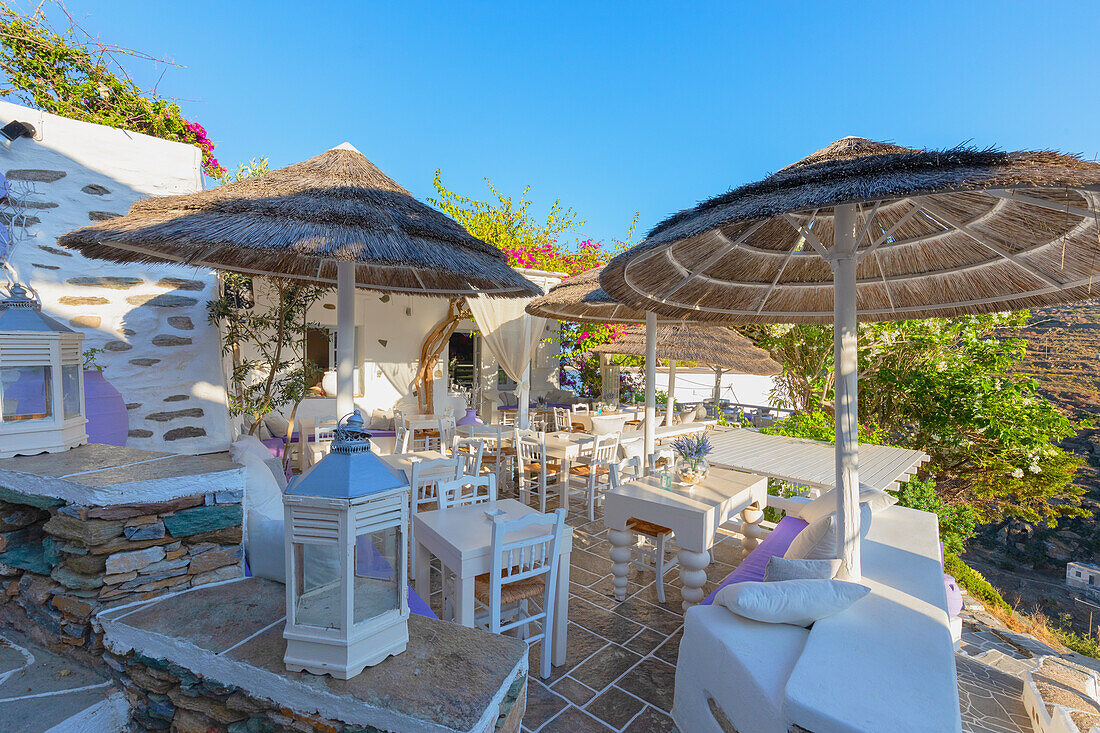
column 41, row 380
column 347, row 595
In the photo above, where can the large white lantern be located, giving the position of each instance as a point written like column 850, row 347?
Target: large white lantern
column 41, row 380
column 347, row 595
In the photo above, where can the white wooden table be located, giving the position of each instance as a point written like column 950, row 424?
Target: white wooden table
column 694, row 513
column 809, row 462
column 565, row 447
column 461, row 538
column 404, row 461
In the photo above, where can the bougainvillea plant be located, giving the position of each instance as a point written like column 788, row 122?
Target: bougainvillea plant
column 73, row 75
column 535, row 244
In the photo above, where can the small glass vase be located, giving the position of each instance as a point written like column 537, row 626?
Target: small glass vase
column 691, row 470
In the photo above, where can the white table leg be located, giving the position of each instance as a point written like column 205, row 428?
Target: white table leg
column 621, row 540
column 464, row 601
column 563, row 483
column 693, row 575
column 561, row 612
column 422, row 572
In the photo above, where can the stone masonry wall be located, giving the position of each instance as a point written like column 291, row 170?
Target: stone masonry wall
column 165, row 695
column 159, row 350
column 60, row 563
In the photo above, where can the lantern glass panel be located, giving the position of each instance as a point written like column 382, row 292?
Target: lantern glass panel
column 317, row 584
column 70, row 390
column 25, row 393
column 377, row 583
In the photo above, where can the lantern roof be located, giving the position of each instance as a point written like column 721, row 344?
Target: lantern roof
column 350, row 470
column 20, row 312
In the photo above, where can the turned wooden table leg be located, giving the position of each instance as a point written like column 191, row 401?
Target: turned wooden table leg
column 751, row 531
column 621, row 542
column 693, row 576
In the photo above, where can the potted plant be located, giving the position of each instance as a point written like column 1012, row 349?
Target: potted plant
column 691, row 458
column 105, row 409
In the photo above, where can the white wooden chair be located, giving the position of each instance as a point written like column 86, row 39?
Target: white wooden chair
column 497, row 458
column 469, row 452
column 580, row 408
column 590, row 473
column 424, row 490
column 523, row 571
column 401, row 439
column 561, row 420
column 447, row 430
column 660, row 459
column 508, row 417
column 651, row 551
column 467, row 491
column 535, row 472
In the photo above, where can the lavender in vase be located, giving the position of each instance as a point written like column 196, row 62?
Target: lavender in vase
column 691, row 458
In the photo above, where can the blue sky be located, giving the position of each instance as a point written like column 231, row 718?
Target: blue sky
column 613, row 107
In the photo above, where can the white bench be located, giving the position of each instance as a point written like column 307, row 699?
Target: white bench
column 885, row 664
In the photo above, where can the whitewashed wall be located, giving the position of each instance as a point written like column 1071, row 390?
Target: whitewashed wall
column 161, row 353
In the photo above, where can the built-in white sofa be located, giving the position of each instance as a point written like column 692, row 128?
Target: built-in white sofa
column 885, row 664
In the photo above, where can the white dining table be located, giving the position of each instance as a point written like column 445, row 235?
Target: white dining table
column 693, row 512
column 404, row 461
column 566, row 447
column 461, row 538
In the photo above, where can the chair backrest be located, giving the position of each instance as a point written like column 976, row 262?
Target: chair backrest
column 508, row 417
column 469, row 452
column 530, row 448
column 605, row 424
column 399, row 419
column 604, row 449
column 324, row 430
column 580, row 408
column 446, row 431
column 657, row 454
column 467, row 490
column 561, row 419
column 517, row 555
column 401, row 438
column 426, row 476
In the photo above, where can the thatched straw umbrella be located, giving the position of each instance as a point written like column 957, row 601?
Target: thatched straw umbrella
column 334, row 218
column 879, row 232
column 717, row 346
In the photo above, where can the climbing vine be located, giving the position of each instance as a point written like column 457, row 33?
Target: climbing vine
column 73, row 75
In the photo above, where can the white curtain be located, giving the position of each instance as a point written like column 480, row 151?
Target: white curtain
column 511, row 335
column 400, row 375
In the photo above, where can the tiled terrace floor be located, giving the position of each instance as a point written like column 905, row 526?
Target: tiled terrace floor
column 621, row 667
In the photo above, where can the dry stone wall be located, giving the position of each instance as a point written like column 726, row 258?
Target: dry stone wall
column 149, row 320
column 60, row 563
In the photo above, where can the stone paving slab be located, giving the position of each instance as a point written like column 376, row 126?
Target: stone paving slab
column 40, row 689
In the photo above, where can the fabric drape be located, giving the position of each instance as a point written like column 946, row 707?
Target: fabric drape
column 511, row 335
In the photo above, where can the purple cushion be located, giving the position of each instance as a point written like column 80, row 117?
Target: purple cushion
column 275, row 445
column 774, row 545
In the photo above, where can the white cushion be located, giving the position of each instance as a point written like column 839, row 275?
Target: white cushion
column 781, row 568
column 381, row 420
column 687, row 417
column 798, row 602
column 277, row 424
column 826, row 504
column 818, row 541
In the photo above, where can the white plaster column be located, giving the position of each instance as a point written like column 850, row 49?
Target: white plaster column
column 345, row 338
column 650, row 386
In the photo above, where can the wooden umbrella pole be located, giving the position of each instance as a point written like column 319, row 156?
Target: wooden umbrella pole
column 846, row 419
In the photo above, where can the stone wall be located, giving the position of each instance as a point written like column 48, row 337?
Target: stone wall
column 165, row 695
column 60, row 563
column 159, row 349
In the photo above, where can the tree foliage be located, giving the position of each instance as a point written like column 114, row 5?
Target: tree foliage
column 71, row 74
column 952, row 389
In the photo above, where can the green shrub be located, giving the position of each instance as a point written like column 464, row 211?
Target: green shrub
column 974, row 584
column 957, row 522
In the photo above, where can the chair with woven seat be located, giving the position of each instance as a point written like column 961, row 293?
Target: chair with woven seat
column 562, row 423
column 470, row 453
column 535, row 472
column 523, row 571
column 466, row 491
column 497, row 458
column 659, row 459
column 424, row 481
column 651, row 551
column 590, row 473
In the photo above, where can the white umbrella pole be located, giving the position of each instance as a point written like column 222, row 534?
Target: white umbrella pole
column 345, row 338
column 523, row 394
column 670, row 407
column 845, row 359
column 650, row 386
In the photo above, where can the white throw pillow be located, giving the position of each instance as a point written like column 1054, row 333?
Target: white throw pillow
column 277, row 424
column 818, row 541
column 780, row 568
column 798, row 602
column 381, row 420
column 826, row 504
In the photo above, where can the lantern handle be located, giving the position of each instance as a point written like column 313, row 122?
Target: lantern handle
column 351, row 434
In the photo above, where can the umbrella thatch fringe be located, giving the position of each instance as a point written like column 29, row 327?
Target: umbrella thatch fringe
column 713, row 346
column 946, row 233
column 299, row 221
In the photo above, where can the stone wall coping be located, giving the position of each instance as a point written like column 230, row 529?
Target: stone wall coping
column 445, row 666
column 106, row 475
